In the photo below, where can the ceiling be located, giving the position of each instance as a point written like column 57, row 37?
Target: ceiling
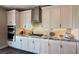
column 19, row 6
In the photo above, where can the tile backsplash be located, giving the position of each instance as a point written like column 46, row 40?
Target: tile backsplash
column 46, row 31
column 75, row 32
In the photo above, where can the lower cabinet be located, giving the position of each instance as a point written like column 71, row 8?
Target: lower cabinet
column 11, row 43
column 44, row 46
column 24, row 43
column 77, row 48
column 54, row 46
column 36, row 45
column 20, row 43
column 57, row 47
column 33, row 45
column 68, row 47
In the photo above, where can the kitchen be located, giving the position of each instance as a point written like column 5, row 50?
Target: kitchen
column 43, row 29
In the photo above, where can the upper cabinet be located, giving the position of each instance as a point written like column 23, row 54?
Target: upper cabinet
column 52, row 17
column 25, row 19
column 66, row 16
column 28, row 19
column 75, row 16
column 12, row 17
column 22, row 18
column 55, row 16
column 61, row 16
column 46, row 17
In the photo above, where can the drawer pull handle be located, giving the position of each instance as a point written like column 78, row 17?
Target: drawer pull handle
column 20, row 40
column 61, row 46
column 48, row 44
column 33, row 42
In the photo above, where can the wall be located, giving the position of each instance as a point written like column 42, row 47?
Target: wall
column 3, row 28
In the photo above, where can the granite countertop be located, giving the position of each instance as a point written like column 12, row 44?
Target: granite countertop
column 48, row 38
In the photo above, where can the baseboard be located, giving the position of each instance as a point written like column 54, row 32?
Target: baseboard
column 4, row 46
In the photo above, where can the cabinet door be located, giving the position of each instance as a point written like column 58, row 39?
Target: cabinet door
column 28, row 19
column 77, row 48
column 14, row 43
column 66, row 16
column 22, row 18
column 55, row 16
column 54, row 47
column 24, row 43
column 18, row 42
column 11, row 17
column 68, row 47
column 46, row 17
column 31, row 44
column 36, row 45
column 25, row 19
column 75, row 16
column 44, row 46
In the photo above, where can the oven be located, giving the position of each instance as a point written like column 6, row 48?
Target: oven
column 11, row 32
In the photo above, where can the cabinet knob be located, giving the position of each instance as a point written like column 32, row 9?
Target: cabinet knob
column 60, row 25
column 32, row 41
column 20, row 40
column 61, row 46
column 48, row 44
column 25, row 26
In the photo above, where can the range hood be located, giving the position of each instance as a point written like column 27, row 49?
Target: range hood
column 36, row 15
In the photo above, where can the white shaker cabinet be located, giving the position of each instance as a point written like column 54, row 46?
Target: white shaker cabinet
column 54, row 47
column 22, row 18
column 24, row 43
column 37, row 45
column 46, row 17
column 68, row 47
column 44, row 46
column 77, row 48
column 18, row 42
column 55, row 16
column 12, row 16
column 28, row 19
column 75, row 16
column 33, row 45
column 61, row 16
column 66, row 16
column 25, row 19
